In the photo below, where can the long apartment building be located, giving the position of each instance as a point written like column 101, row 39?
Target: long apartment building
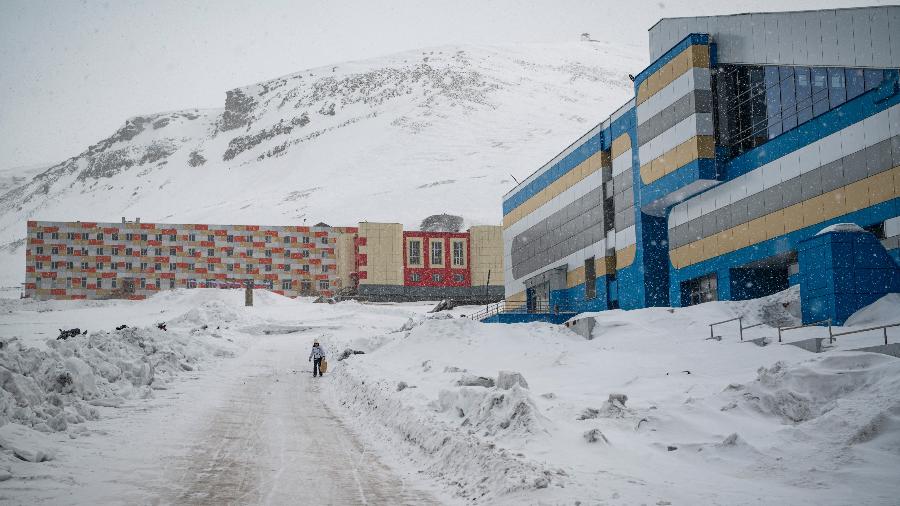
column 87, row 260
column 747, row 135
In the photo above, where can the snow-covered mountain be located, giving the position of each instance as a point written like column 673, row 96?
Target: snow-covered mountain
column 393, row 139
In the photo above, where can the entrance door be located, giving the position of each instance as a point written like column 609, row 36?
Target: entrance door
column 539, row 298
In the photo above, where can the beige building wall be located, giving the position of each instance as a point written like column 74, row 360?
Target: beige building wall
column 345, row 258
column 486, row 243
column 384, row 253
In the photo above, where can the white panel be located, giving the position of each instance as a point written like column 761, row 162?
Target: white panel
column 754, row 182
column 877, row 128
column 790, row 166
column 693, row 210
column 757, row 28
column 881, row 43
column 830, row 148
column 789, row 31
column 852, row 139
column 771, row 174
column 894, row 120
column 892, row 227
column 862, row 37
column 809, row 158
column 845, row 39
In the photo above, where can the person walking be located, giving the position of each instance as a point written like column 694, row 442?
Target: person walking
column 316, row 356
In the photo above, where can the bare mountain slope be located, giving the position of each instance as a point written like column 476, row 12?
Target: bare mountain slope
column 391, row 139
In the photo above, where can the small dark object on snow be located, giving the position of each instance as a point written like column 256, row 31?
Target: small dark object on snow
column 84, row 332
column 65, row 334
column 686, row 372
column 401, row 386
column 470, row 380
column 162, row 326
column 123, row 326
column 204, row 327
column 671, row 448
column 346, row 353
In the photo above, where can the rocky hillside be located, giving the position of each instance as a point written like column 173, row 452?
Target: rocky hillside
column 391, row 139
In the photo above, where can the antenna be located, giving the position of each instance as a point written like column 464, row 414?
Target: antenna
column 514, row 179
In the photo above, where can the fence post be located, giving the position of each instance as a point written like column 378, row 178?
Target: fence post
column 711, row 332
column 830, row 335
column 779, row 334
column 885, row 335
column 741, row 328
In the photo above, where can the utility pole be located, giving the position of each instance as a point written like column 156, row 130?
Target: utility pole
column 248, row 293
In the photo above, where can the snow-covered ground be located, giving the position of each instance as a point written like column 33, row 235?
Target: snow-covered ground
column 647, row 412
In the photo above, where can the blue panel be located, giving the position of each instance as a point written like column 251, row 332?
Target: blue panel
column 700, row 169
column 691, row 40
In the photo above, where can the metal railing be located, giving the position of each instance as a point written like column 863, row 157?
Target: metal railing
column 741, row 327
column 882, row 327
column 519, row 307
column 813, row 324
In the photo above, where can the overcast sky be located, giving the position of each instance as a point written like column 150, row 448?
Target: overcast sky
column 72, row 71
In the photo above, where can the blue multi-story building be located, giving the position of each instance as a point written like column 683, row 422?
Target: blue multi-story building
column 747, row 136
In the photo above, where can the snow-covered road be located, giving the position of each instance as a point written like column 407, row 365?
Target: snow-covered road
column 270, row 440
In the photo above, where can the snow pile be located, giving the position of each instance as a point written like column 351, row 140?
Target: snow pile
column 52, row 389
column 26, row 444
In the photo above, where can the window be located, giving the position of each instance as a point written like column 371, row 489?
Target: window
column 54, row 235
column 171, row 284
column 229, row 252
column 437, row 252
column 437, row 278
column 83, row 251
column 69, row 250
column 157, row 266
column 210, row 252
column 100, row 251
column 99, row 283
column 158, row 283
column 229, row 238
column 287, row 267
column 268, row 267
column 191, row 252
column 229, row 267
column 699, row 290
column 68, row 282
column 268, row 253
column 414, row 255
column 306, row 253
column 39, row 250
column 39, row 265
column 192, row 283
column 458, row 278
column 173, row 237
column 143, row 266
column 100, row 266
column 323, row 254
column 286, row 284
column 84, row 265
column 324, row 268
column 172, row 251
column 415, row 277
column 305, row 287
column 113, row 283
column 157, row 251
column 158, row 237
column 54, row 250
column 40, row 235
column 172, row 266
column 305, row 240
column 758, row 103
column 268, row 239
column 115, row 237
column 323, row 240
column 211, row 267
column 323, row 284
column 128, row 266
column 143, row 252
column 129, row 236
column 192, row 237
column 210, row 238
column 287, row 253
column 128, row 251
column 143, row 283
column 459, row 253
column 249, row 252
column 100, row 236
column 115, row 251
column 304, row 267
column 287, row 240
column 590, row 279
column 84, row 236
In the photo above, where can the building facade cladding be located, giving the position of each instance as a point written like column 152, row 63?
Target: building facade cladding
column 394, row 264
column 746, row 136
column 83, row 260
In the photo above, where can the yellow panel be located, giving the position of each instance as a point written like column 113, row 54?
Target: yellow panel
column 881, row 187
column 726, row 242
column 625, row 256
column 700, row 56
column 621, row 145
column 857, row 195
column 756, row 230
column 793, row 218
column 575, row 277
column 834, row 204
column 812, row 211
column 774, row 224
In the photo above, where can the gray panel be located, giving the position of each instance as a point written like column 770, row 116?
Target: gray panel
column 772, row 199
column 829, row 38
column 754, row 208
column 861, row 43
column 695, row 101
column 708, row 224
column 723, row 219
column 881, row 43
column 811, row 184
column 695, row 231
column 739, row 212
column 773, row 46
column 629, row 198
column 878, row 157
column 814, row 54
column 792, row 33
column 895, row 151
column 894, row 34
column 855, row 167
column 845, row 30
column 832, row 175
